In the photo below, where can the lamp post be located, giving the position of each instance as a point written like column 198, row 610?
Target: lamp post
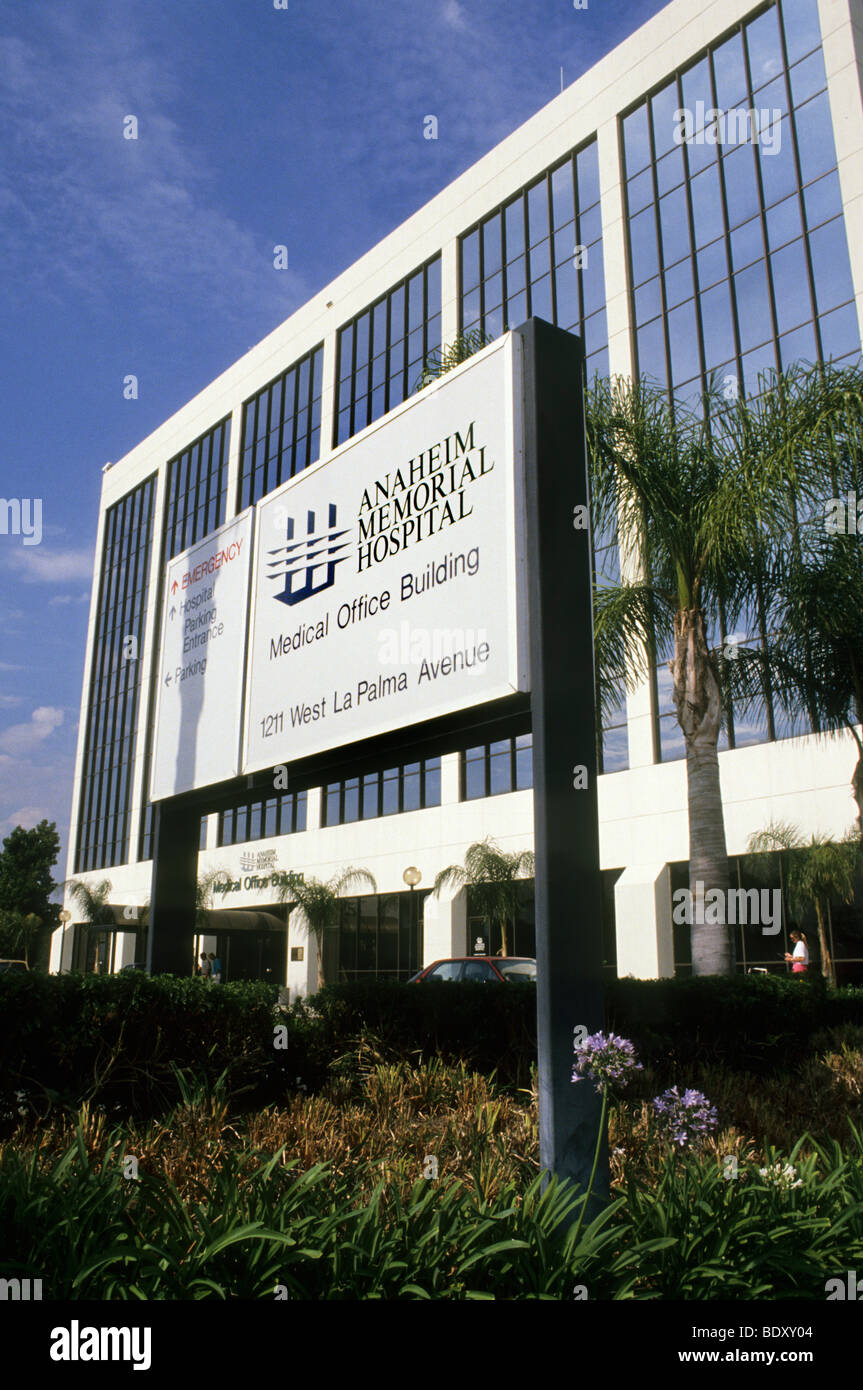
column 412, row 877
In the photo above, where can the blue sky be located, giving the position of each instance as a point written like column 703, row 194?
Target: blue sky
column 154, row 256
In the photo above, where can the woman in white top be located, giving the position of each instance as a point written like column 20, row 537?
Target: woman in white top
column 800, row 958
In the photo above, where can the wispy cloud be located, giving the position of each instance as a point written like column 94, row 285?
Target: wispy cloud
column 453, row 14
column 23, row 738
column 98, row 207
column 26, row 816
column 39, row 565
column 61, row 600
column 7, row 701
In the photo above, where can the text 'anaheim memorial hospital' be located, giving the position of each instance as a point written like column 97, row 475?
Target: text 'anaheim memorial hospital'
column 674, row 245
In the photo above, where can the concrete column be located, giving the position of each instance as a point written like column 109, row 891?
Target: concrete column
column 621, row 359
column 842, row 41
column 328, row 392
column 445, row 926
column 234, row 461
column 314, row 799
column 449, row 778
column 645, row 939
column 449, row 292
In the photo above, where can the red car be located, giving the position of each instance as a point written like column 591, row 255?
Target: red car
column 497, row 970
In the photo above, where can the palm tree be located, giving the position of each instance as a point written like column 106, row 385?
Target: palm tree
column 492, row 876
column 458, row 351
column 316, row 902
column 18, row 931
column 699, row 498
column 817, row 872
column 91, row 900
column 205, row 896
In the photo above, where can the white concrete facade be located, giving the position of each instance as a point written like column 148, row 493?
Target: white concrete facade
column 643, row 816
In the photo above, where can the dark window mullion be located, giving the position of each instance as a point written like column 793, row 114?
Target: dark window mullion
column 388, row 347
column 528, row 285
column 690, row 220
column 666, row 336
column 552, row 269
column 795, row 149
column 762, row 212
column 425, row 312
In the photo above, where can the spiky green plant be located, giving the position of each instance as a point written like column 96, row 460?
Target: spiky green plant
column 444, row 359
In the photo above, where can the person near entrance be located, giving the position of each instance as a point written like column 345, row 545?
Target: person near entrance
column 215, row 968
column 205, row 969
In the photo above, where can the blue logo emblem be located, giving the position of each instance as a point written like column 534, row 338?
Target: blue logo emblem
column 308, row 566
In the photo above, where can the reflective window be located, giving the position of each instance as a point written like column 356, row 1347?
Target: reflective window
column 773, row 283
column 411, row 787
column 381, row 353
column 261, row 820
column 802, row 30
column 493, row 768
column 764, row 43
column 197, row 490
column 540, row 255
column 815, row 138
column 808, row 78
column 830, row 268
column 281, row 429
column 103, row 833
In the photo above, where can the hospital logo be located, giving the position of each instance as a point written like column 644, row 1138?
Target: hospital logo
column 307, row 566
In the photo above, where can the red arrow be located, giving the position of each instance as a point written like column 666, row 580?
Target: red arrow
column 174, row 587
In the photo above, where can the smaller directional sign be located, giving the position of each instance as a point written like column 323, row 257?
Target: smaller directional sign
column 200, row 673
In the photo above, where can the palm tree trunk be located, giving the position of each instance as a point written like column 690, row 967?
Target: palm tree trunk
column 827, row 969
column 504, row 944
column 319, row 941
column 698, row 703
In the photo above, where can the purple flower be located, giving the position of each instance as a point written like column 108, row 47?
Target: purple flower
column 685, row 1115
column 605, row 1058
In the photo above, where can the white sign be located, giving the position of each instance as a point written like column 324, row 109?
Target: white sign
column 200, row 675
column 388, row 579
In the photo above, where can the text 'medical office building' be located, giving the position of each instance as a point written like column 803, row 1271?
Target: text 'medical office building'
column 673, row 246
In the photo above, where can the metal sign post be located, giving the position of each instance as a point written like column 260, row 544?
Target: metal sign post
column 566, row 825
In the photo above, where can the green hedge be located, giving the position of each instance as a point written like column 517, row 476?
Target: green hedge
column 117, row 1040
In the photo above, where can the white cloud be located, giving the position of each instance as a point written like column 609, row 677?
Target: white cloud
column 453, row 15
column 61, row 600
column 7, row 701
column 10, row 666
column 31, row 791
column 23, row 738
column 26, row 816
column 38, row 565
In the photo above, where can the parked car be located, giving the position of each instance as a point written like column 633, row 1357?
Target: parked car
column 132, row 967
column 13, row 967
column 497, row 970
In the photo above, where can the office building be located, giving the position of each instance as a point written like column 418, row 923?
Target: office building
column 675, row 246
